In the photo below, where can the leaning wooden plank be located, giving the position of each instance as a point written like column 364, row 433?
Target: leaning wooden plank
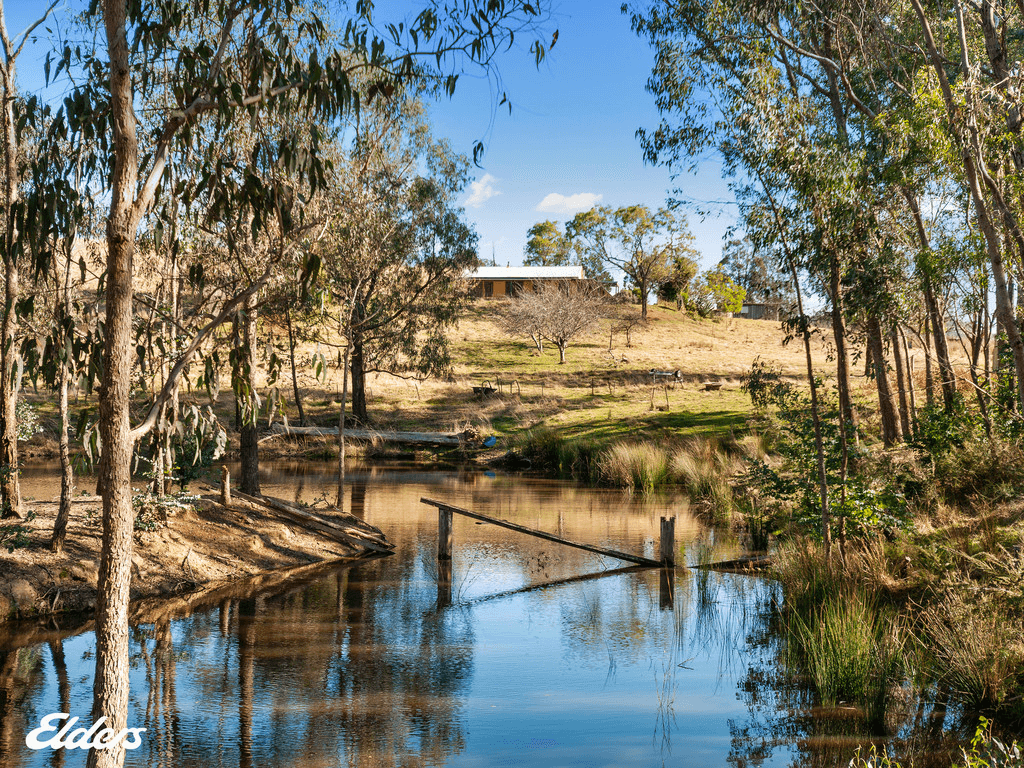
column 543, row 535
column 405, row 438
column 351, row 536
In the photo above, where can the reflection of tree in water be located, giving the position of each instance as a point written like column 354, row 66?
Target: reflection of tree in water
column 161, row 718
column 785, row 713
column 63, row 691
column 346, row 670
column 21, row 676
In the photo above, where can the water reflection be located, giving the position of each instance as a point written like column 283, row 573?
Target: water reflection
column 516, row 652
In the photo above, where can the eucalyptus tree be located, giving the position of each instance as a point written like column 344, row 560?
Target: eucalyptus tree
column 15, row 114
column 549, row 244
column 675, row 285
column 397, row 246
column 760, row 277
column 249, row 62
column 634, row 240
column 546, row 245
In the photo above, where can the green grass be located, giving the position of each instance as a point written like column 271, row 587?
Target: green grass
column 852, row 652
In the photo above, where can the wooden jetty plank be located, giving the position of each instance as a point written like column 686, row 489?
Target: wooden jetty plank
column 543, row 535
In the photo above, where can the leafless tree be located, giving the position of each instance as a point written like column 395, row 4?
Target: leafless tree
column 558, row 312
column 625, row 319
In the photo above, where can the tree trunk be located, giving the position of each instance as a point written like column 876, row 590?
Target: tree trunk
column 110, row 687
column 67, row 477
column 842, row 356
column 929, row 377
column 358, row 381
column 934, row 316
column 341, row 430
column 911, row 387
column 295, row 377
column 10, row 491
column 901, row 383
column 819, row 448
column 947, row 376
column 890, row 429
column 993, row 244
column 249, row 480
column 561, row 353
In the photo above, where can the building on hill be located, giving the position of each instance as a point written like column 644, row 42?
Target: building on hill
column 501, row 282
column 767, row 310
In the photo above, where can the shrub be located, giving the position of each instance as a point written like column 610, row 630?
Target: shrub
column 28, row 420
column 991, row 469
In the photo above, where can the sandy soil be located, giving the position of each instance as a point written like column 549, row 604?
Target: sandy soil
column 188, row 549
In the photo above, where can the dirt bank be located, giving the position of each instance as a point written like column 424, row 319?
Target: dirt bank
column 192, row 548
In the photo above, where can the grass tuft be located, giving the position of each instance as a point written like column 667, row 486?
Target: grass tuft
column 640, row 467
column 852, row 652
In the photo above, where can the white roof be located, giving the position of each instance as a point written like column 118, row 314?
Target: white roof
column 527, row 273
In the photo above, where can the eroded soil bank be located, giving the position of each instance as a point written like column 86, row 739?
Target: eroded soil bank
column 186, row 549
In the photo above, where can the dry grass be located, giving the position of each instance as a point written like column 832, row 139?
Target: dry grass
column 593, row 396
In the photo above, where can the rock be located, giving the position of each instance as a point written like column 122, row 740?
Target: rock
column 24, row 595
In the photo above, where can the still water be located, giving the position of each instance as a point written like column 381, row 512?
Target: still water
column 529, row 665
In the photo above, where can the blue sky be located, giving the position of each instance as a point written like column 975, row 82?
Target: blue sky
column 570, row 140
column 568, row 143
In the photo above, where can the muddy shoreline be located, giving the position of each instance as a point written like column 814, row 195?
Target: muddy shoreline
column 184, row 552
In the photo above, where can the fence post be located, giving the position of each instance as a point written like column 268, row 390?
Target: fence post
column 666, row 588
column 444, row 533
column 668, row 541
column 225, row 486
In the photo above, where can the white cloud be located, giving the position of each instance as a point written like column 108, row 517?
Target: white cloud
column 556, row 203
column 481, row 191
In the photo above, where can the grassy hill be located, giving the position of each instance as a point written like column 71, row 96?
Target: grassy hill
column 597, row 394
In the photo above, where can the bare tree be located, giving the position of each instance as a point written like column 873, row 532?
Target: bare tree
column 625, row 320
column 558, row 311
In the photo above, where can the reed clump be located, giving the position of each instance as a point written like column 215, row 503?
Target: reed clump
column 852, row 651
column 642, row 467
column 707, row 472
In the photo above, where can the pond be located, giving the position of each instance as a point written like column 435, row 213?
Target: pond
column 529, row 664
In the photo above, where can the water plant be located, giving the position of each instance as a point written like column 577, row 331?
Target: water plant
column 973, row 645
column 641, row 467
column 852, row 651
column 706, row 471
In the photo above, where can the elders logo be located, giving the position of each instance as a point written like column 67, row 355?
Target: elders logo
column 80, row 738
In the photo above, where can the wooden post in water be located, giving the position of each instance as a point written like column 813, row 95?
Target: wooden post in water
column 444, row 533
column 444, row 583
column 225, row 617
column 668, row 542
column 225, row 486
column 666, row 588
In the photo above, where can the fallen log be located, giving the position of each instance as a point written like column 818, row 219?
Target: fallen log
column 740, row 564
column 453, row 440
column 365, row 536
